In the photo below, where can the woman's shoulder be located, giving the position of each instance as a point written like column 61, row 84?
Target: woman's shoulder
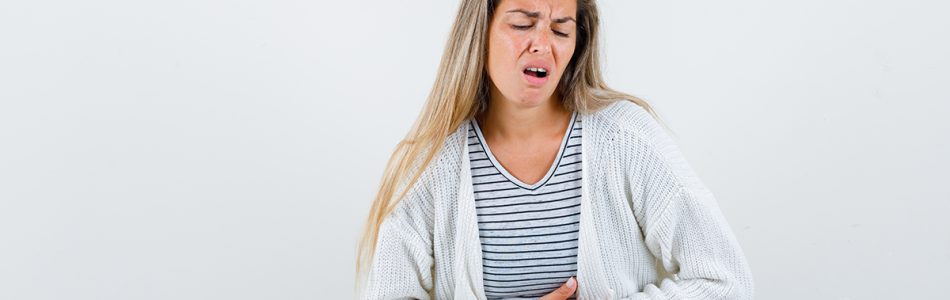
column 631, row 127
column 630, row 122
column 448, row 158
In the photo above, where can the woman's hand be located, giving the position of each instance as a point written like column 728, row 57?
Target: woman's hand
column 566, row 290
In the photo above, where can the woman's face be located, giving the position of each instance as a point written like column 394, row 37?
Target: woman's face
column 530, row 43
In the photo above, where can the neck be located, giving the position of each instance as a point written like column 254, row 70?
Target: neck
column 505, row 120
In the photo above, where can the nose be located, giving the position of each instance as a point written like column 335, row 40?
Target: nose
column 540, row 41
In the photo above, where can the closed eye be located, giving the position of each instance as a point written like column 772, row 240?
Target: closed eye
column 526, row 27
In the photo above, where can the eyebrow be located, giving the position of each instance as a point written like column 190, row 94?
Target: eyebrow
column 534, row 14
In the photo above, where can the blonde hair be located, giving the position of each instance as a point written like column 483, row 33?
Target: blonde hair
column 461, row 90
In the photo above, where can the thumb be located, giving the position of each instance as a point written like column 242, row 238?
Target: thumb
column 566, row 290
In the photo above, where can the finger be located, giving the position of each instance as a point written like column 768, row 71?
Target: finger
column 563, row 292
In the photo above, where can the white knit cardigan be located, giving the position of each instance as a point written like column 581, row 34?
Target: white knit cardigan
column 649, row 228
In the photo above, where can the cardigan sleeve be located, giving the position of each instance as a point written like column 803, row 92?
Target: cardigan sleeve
column 679, row 217
column 403, row 260
column 683, row 227
column 694, row 244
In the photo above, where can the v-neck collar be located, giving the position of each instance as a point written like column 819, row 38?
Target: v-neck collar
column 504, row 172
column 469, row 282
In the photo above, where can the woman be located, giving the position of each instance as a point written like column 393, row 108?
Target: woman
column 525, row 176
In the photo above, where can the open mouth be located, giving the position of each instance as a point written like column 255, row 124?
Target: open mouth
column 536, row 72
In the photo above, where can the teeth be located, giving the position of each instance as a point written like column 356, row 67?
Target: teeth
column 537, row 70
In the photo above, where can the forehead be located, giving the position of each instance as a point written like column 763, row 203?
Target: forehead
column 547, row 9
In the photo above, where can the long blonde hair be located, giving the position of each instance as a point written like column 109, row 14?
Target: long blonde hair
column 461, row 90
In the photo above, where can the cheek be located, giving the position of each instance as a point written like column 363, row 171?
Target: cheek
column 563, row 54
column 503, row 51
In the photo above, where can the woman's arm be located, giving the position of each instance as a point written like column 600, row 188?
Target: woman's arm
column 682, row 224
column 403, row 260
column 693, row 242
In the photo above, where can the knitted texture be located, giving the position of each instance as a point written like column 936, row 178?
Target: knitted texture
column 649, row 228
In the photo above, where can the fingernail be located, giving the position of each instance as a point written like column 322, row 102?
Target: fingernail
column 571, row 282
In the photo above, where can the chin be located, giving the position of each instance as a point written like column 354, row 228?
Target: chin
column 528, row 96
column 535, row 96
column 533, row 100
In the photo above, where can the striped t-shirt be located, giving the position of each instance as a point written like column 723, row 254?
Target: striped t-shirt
column 528, row 232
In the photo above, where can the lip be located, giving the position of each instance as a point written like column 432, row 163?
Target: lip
column 535, row 81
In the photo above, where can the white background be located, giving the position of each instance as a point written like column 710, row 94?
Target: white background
column 229, row 149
